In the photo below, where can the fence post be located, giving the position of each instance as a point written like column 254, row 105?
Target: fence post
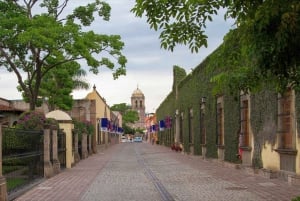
column 48, row 169
column 56, row 163
column 84, row 145
column 3, row 189
column 90, row 144
column 76, row 153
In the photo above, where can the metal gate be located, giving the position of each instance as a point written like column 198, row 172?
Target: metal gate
column 22, row 152
column 61, row 148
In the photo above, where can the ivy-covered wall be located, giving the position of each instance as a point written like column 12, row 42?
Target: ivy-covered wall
column 186, row 95
column 231, row 127
column 263, row 121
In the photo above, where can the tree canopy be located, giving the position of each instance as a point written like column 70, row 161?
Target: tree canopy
column 267, row 33
column 128, row 116
column 59, row 83
column 38, row 36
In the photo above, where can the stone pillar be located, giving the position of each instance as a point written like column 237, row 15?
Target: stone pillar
column 3, row 189
column 94, row 143
column 76, row 153
column 203, row 151
column 177, row 128
column 56, row 163
column 48, row 169
column 84, row 146
column 90, row 144
column 106, row 139
column 67, row 126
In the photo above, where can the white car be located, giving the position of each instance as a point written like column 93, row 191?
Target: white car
column 124, row 139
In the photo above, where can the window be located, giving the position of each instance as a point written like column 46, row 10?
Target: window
column 285, row 120
column 244, row 135
column 141, row 104
column 136, row 103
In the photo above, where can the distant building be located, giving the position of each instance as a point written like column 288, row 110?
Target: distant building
column 138, row 104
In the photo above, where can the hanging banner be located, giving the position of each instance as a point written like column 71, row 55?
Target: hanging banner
column 162, row 125
column 104, row 124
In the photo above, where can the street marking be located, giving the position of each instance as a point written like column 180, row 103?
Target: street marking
column 165, row 195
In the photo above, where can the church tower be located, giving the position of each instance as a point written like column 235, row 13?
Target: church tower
column 138, row 104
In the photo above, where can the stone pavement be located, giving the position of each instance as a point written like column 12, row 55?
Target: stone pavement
column 145, row 172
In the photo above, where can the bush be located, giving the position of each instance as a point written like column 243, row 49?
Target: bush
column 31, row 120
column 83, row 127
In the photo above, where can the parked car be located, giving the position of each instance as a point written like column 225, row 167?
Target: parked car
column 138, row 139
column 123, row 139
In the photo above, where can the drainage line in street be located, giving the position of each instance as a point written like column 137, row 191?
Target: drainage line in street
column 165, row 195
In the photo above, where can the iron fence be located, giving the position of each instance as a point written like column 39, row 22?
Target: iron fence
column 22, row 157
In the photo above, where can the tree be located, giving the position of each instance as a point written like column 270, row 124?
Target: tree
column 59, row 83
column 128, row 116
column 268, row 32
column 33, row 43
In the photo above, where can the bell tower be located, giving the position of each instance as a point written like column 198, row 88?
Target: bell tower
column 138, row 104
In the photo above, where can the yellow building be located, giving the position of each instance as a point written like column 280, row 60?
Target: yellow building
column 102, row 110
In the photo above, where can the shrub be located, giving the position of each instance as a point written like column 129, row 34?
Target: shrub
column 89, row 127
column 31, row 120
column 83, row 127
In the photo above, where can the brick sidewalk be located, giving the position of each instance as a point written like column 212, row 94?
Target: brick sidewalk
column 264, row 188
column 70, row 184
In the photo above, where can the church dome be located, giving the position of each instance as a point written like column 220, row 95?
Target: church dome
column 137, row 93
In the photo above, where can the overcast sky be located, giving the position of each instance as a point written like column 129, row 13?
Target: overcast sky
column 148, row 67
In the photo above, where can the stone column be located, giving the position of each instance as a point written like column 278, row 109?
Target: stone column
column 105, row 138
column 48, row 169
column 94, row 142
column 177, row 128
column 76, row 153
column 3, row 189
column 90, row 144
column 84, row 146
column 56, row 163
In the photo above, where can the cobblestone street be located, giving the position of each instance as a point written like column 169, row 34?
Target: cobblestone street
column 141, row 171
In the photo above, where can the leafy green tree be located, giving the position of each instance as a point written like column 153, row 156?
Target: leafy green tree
column 267, row 32
column 37, row 36
column 58, row 84
column 128, row 116
column 121, row 107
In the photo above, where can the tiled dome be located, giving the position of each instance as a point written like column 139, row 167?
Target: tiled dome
column 137, row 92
